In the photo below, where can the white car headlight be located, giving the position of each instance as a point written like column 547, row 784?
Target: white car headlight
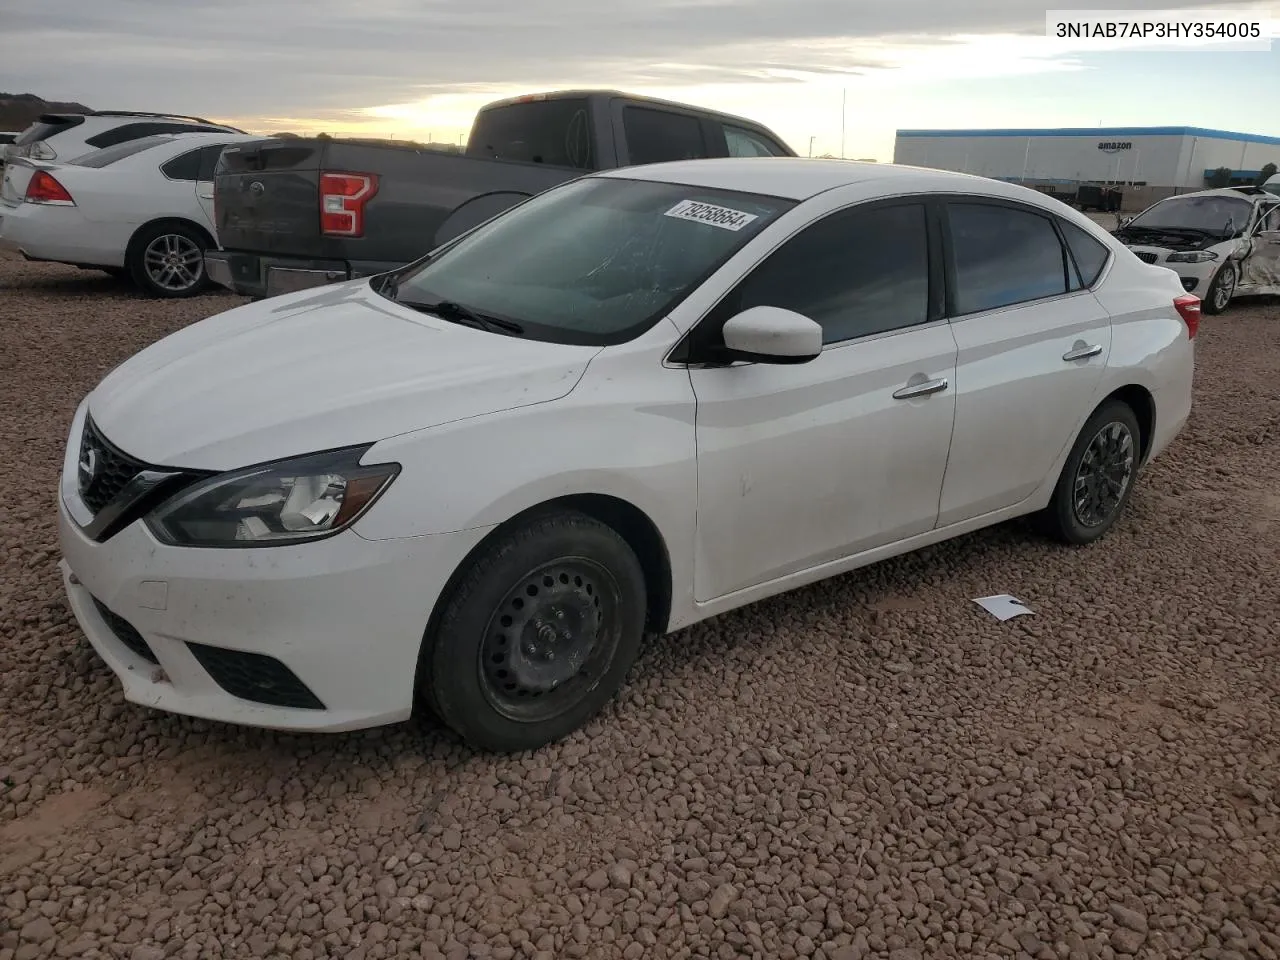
column 1191, row 256
column 284, row 502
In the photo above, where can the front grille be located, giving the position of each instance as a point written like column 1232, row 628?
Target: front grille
column 255, row 677
column 103, row 470
column 119, row 489
column 126, row 632
column 1146, row 256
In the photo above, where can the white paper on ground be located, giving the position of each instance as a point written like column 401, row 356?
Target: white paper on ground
column 1003, row 607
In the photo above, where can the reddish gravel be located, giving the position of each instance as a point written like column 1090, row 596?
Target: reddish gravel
column 872, row 767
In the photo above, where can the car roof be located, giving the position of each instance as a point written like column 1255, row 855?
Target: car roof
column 1235, row 193
column 799, row 178
column 613, row 94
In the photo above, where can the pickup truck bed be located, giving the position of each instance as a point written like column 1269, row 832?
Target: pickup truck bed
column 297, row 213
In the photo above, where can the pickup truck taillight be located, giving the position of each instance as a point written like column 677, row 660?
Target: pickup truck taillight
column 342, row 201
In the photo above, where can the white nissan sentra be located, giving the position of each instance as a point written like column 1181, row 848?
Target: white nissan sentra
column 633, row 402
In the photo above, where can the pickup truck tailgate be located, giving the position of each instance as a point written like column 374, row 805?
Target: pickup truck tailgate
column 267, row 197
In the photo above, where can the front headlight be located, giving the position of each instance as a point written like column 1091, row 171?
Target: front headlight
column 288, row 501
column 1191, row 256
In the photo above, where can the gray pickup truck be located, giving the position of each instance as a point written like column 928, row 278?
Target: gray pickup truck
column 298, row 213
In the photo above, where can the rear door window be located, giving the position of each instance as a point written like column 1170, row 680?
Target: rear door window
column 556, row 132
column 1003, row 256
column 657, row 136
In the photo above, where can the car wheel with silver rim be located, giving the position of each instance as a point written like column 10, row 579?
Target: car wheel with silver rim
column 1223, row 287
column 1097, row 479
column 167, row 260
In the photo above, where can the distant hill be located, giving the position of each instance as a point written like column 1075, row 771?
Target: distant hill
column 19, row 110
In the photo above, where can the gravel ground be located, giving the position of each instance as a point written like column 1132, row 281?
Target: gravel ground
column 871, row 767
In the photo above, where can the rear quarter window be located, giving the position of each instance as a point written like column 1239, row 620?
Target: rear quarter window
column 185, row 166
column 1089, row 255
column 657, row 136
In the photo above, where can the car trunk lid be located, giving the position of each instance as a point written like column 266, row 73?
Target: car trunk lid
column 17, row 175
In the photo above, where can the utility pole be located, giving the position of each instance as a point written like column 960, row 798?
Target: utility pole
column 811, row 139
column 844, row 99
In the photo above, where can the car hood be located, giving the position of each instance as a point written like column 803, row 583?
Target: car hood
column 316, row 370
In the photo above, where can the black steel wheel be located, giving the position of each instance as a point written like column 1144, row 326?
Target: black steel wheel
column 1098, row 477
column 538, row 634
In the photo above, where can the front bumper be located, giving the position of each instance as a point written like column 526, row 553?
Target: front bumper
column 322, row 636
column 253, row 275
column 1195, row 277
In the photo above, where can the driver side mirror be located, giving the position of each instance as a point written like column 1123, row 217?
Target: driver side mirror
column 772, row 335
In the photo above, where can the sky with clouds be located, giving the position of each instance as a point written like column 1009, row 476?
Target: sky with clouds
column 415, row 68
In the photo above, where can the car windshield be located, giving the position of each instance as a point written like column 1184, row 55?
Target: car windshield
column 1208, row 214
column 596, row 261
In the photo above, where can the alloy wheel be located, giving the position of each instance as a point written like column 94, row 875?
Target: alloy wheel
column 174, row 262
column 1226, row 287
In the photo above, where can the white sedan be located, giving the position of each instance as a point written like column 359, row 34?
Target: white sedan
column 142, row 209
column 633, row 402
column 1222, row 243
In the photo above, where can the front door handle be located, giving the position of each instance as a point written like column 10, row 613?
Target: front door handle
column 911, row 391
column 1082, row 352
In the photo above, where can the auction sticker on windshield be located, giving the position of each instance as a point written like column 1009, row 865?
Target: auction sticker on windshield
column 709, row 213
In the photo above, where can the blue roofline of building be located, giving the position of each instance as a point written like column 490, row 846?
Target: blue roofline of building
column 1103, row 132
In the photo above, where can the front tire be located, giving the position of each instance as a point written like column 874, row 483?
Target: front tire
column 1221, row 289
column 1097, row 479
column 538, row 635
column 167, row 261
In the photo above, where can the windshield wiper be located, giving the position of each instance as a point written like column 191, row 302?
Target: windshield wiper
column 455, row 312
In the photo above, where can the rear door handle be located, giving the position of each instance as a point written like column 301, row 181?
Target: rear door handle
column 911, row 391
column 1082, row 353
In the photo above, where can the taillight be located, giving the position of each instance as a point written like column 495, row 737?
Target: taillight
column 342, row 201
column 43, row 188
column 1188, row 307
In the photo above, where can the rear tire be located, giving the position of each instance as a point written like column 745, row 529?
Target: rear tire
column 1097, row 479
column 167, row 260
column 537, row 636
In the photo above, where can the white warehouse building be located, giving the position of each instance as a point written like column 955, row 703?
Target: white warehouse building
column 1176, row 158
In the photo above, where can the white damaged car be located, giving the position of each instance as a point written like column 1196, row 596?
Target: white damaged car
column 1222, row 243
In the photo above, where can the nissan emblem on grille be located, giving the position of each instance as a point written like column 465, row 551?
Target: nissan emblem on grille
column 88, row 466
column 101, row 470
